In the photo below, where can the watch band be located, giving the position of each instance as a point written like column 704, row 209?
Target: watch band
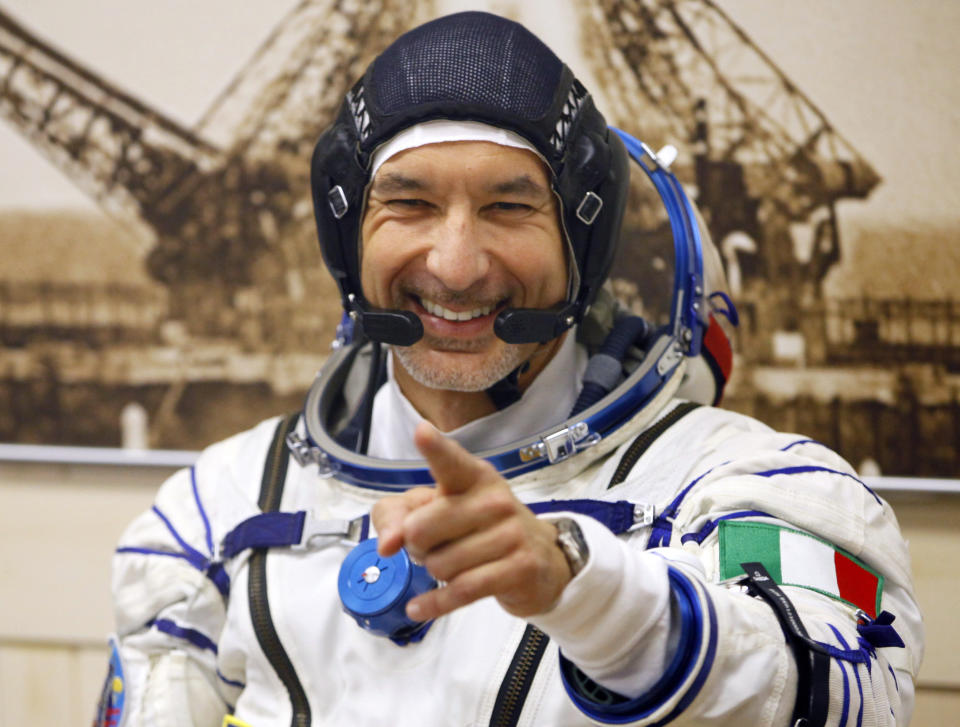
column 572, row 543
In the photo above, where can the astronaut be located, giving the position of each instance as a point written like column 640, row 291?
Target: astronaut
column 508, row 499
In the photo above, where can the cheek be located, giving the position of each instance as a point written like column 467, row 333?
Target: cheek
column 380, row 260
column 553, row 261
column 544, row 269
column 559, row 275
column 368, row 275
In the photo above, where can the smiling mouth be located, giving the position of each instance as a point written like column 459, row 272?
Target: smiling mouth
column 435, row 309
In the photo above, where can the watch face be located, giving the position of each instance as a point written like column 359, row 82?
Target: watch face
column 571, row 542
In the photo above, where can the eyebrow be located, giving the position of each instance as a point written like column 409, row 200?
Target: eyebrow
column 393, row 182
column 523, row 185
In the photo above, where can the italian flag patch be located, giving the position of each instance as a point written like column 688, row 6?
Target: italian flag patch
column 794, row 558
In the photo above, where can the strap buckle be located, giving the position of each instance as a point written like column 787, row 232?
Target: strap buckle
column 314, row 528
column 643, row 515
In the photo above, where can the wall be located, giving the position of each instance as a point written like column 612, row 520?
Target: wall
column 59, row 523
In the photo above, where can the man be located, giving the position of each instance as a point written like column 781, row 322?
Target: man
column 649, row 560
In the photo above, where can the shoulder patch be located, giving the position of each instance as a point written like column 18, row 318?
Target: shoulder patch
column 113, row 694
column 795, row 558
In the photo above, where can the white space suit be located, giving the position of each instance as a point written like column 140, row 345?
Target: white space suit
column 190, row 650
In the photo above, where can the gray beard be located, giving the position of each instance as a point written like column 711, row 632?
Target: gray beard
column 413, row 361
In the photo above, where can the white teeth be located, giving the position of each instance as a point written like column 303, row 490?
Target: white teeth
column 452, row 315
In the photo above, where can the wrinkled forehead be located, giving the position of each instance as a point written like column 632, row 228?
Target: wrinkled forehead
column 442, row 130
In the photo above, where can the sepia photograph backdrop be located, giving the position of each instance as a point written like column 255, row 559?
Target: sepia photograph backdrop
column 160, row 283
column 161, row 286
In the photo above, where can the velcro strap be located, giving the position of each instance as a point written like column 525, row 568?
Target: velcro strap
column 617, row 516
column 880, row 633
column 266, row 530
column 291, row 530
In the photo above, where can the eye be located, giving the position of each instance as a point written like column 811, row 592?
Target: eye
column 510, row 207
column 408, row 203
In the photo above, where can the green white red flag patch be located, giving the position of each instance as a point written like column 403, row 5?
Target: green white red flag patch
column 794, row 558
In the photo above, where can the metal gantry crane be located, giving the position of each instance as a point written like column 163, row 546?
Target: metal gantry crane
column 221, row 220
column 228, row 219
column 765, row 159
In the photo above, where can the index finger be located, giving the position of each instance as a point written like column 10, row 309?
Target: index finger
column 454, row 469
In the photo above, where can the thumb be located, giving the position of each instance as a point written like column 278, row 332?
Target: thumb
column 454, row 469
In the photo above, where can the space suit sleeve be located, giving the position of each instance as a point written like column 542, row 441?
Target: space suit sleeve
column 170, row 600
column 673, row 633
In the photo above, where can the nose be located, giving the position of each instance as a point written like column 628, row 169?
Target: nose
column 456, row 257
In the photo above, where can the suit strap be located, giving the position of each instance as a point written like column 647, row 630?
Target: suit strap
column 275, row 468
column 271, row 492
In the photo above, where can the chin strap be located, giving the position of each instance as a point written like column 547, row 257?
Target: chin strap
column 604, row 370
column 375, row 379
column 507, row 390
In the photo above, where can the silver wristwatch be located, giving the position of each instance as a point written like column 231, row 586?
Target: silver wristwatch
column 572, row 543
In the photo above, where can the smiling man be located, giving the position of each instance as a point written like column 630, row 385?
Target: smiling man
column 456, row 232
column 508, row 500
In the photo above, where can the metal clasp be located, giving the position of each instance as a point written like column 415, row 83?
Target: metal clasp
column 643, row 515
column 667, row 156
column 670, row 358
column 654, row 157
column 314, row 528
column 306, row 453
column 560, row 445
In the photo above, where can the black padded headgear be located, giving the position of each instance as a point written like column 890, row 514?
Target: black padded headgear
column 473, row 66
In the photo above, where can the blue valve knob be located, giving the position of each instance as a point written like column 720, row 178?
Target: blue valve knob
column 374, row 591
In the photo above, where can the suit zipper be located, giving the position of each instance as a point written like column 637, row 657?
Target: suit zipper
column 271, row 492
column 516, row 684
column 523, row 668
column 647, row 437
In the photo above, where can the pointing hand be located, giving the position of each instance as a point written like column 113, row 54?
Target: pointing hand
column 471, row 532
